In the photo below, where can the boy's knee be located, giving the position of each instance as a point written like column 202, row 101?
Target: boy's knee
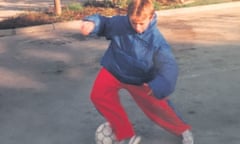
column 96, row 96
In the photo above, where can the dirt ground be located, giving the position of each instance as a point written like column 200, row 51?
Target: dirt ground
column 46, row 78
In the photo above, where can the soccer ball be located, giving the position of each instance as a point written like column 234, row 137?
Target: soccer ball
column 104, row 134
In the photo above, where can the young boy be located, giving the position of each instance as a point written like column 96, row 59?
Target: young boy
column 139, row 60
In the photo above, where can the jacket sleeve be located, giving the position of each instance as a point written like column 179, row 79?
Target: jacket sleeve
column 101, row 24
column 165, row 81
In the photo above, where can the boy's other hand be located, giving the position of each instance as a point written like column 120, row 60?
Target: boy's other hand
column 86, row 27
column 150, row 92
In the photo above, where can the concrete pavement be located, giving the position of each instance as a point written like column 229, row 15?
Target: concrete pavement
column 46, row 78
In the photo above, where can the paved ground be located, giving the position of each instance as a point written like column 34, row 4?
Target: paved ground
column 46, row 78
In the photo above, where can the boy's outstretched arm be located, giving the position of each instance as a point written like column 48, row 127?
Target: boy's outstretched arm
column 86, row 27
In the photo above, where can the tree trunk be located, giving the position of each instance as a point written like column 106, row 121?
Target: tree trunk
column 58, row 7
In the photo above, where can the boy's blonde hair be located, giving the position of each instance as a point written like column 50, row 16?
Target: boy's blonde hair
column 140, row 9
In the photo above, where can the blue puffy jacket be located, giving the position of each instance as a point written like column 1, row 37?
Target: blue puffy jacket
column 135, row 58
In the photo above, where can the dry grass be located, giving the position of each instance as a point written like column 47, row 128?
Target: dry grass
column 47, row 17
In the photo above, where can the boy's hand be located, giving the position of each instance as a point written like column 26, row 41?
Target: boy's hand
column 86, row 27
column 150, row 93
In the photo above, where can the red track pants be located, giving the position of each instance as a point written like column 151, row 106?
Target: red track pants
column 106, row 100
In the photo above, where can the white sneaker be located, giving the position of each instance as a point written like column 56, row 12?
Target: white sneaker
column 187, row 137
column 133, row 140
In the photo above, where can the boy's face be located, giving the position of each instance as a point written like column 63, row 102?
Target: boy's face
column 140, row 24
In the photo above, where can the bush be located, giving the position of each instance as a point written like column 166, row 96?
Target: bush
column 122, row 3
column 157, row 5
column 75, row 7
column 105, row 4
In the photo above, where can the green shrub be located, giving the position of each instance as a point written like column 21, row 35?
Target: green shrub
column 122, row 3
column 75, row 6
column 105, row 4
column 157, row 5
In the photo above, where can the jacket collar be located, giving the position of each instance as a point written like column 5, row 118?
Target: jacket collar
column 151, row 25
